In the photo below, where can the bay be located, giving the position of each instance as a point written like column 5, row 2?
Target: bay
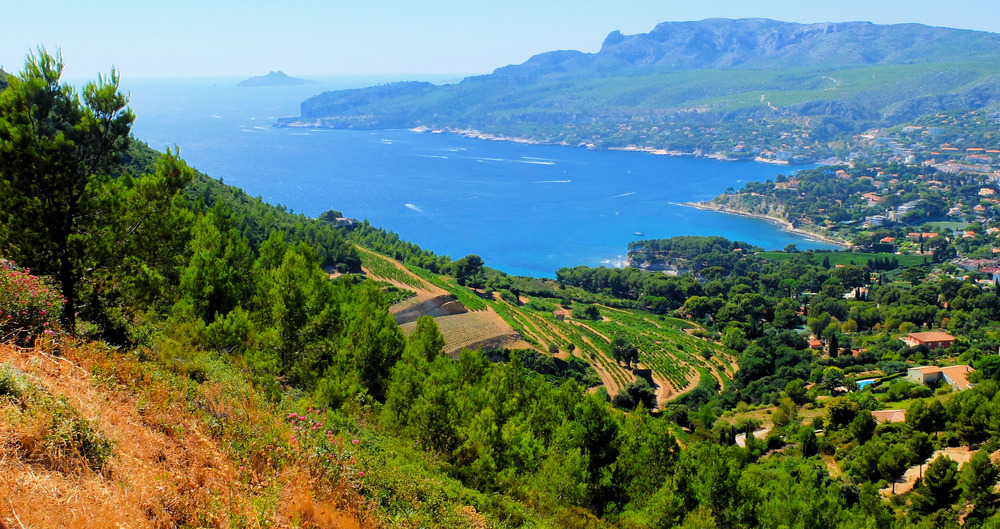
column 525, row 209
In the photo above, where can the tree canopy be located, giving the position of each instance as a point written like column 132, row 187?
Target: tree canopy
column 58, row 150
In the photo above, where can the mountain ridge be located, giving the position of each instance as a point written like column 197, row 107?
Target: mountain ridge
column 826, row 80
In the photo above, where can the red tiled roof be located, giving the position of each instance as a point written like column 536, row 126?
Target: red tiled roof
column 931, row 336
column 884, row 416
column 958, row 375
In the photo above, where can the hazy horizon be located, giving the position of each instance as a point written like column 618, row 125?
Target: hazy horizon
column 190, row 38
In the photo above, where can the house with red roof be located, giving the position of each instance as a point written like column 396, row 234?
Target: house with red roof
column 954, row 376
column 932, row 339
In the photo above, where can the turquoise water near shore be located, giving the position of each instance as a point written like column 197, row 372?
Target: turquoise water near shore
column 526, row 209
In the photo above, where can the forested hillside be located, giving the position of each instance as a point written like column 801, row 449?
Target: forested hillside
column 177, row 353
column 738, row 88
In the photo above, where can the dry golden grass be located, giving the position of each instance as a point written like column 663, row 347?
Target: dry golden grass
column 169, row 466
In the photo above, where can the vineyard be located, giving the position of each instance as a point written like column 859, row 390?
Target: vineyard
column 472, row 330
column 667, row 347
column 670, row 348
column 387, row 269
column 470, row 298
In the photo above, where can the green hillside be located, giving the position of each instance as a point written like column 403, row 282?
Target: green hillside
column 700, row 86
column 176, row 353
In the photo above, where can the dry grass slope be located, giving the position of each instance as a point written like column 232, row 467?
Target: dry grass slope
column 166, row 466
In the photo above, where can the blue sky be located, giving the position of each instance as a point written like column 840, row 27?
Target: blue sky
column 301, row 37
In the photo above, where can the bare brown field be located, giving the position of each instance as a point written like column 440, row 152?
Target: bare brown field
column 484, row 328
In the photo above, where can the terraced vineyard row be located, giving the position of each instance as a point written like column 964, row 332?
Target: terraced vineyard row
column 664, row 346
column 466, row 296
column 542, row 329
column 674, row 356
column 509, row 315
column 386, row 268
column 597, row 350
column 471, row 330
column 653, row 353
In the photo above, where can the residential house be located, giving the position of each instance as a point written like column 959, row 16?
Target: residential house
column 954, row 376
column 932, row 339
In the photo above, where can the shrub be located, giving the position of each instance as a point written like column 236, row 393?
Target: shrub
column 50, row 430
column 71, row 435
column 29, row 306
column 588, row 312
column 12, row 383
column 510, row 297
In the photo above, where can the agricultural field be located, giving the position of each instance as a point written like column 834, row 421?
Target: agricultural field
column 470, row 298
column 668, row 347
column 414, row 292
column 387, row 269
column 471, row 330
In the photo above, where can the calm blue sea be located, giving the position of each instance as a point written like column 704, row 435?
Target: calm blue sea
column 526, row 209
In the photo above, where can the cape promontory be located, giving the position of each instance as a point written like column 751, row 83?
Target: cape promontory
column 273, row 78
column 737, row 88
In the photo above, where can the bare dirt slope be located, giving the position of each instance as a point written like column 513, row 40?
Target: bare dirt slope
column 470, row 330
column 960, row 455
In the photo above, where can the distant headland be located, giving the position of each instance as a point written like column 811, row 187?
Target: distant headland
column 273, row 78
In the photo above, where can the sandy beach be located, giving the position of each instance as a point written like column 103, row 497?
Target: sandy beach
column 785, row 225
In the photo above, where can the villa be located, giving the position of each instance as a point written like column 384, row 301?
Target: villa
column 954, row 376
column 932, row 339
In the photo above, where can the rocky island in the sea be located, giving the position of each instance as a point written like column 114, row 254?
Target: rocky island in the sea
column 273, row 78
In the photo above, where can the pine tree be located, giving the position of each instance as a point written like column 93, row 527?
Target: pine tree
column 57, row 152
column 939, row 488
column 978, row 478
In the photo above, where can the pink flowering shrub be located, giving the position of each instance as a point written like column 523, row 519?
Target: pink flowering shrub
column 325, row 446
column 29, row 307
